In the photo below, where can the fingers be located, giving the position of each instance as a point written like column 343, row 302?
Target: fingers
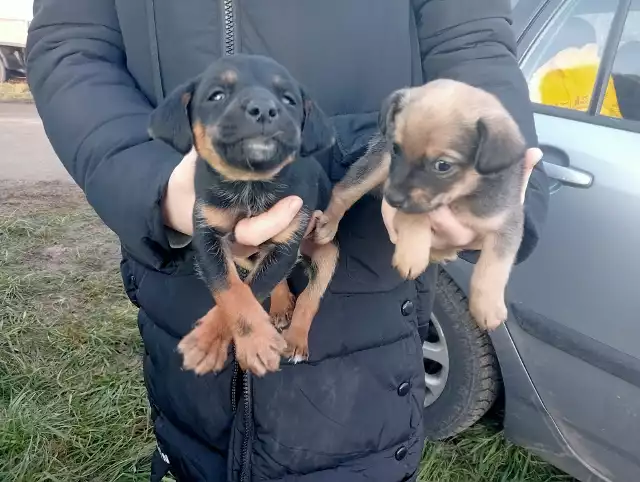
column 531, row 158
column 258, row 229
column 388, row 213
column 179, row 197
column 448, row 230
column 190, row 158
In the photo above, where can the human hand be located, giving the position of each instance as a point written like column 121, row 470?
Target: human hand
column 448, row 231
column 180, row 198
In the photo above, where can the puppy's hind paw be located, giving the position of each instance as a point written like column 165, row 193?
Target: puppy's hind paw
column 206, row 348
column 260, row 350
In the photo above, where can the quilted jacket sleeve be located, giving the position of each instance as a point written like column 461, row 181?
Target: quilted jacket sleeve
column 472, row 41
column 96, row 119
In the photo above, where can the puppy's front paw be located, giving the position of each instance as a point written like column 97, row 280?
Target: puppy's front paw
column 410, row 264
column 259, row 347
column 297, row 339
column 206, row 347
column 326, row 229
column 488, row 309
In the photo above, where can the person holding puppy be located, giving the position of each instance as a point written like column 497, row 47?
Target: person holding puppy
column 354, row 412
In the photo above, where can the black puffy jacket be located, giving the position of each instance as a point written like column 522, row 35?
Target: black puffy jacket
column 97, row 68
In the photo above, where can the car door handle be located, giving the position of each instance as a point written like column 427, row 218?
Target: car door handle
column 569, row 176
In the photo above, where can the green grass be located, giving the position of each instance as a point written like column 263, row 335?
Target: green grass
column 72, row 403
column 481, row 454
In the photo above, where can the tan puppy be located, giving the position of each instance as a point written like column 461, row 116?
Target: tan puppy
column 444, row 143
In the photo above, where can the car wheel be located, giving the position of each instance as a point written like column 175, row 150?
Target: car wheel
column 461, row 369
column 3, row 72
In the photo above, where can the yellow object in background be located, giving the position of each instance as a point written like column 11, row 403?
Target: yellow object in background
column 567, row 81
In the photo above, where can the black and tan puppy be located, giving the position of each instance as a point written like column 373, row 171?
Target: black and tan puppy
column 253, row 128
column 445, row 143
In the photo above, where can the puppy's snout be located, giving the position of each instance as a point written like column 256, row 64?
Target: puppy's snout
column 395, row 198
column 262, row 110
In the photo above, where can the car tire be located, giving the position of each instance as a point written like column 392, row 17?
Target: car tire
column 4, row 74
column 473, row 380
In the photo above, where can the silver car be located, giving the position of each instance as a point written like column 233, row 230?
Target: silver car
column 568, row 358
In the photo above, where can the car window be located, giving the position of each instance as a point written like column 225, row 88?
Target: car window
column 562, row 64
column 626, row 68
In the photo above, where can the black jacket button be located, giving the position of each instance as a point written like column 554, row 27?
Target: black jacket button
column 401, row 453
column 403, row 389
column 407, row 308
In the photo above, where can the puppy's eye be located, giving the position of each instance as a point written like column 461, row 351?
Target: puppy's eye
column 288, row 99
column 217, row 96
column 442, row 166
column 395, row 148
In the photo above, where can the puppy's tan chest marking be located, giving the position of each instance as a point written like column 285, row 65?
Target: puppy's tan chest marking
column 220, row 219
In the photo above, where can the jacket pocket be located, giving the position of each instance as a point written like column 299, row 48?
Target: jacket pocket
column 131, row 279
column 351, row 406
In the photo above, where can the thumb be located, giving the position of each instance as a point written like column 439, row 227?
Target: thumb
column 388, row 215
column 258, row 229
column 532, row 157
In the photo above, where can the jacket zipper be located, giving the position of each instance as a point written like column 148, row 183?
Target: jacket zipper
column 229, row 27
column 245, row 474
column 234, row 386
column 229, row 47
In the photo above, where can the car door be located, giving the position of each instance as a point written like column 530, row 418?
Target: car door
column 575, row 304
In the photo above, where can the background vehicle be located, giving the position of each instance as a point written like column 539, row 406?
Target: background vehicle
column 15, row 17
column 568, row 357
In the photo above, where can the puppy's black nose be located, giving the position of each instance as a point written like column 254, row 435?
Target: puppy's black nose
column 395, row 199
column 262, row 110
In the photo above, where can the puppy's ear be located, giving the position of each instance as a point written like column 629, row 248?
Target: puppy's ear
column 170, row 121
column 317, row 132
column 500, row 145
column 389, row 109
